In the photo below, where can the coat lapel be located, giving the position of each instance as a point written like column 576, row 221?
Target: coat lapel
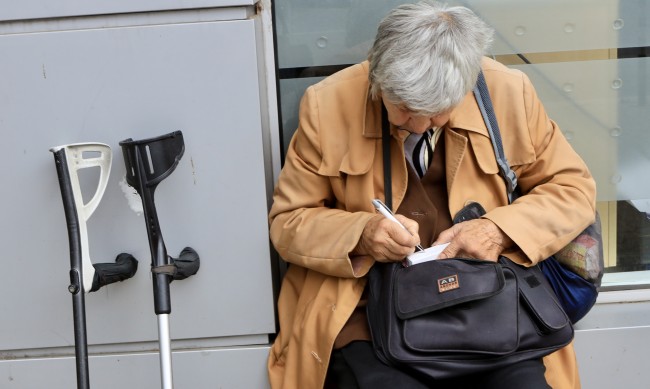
column 466, row 124
column 455, row 149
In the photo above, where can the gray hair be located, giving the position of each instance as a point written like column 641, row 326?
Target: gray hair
column 427, row 56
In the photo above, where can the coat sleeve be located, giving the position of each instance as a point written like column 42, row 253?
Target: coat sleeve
column 308, row 225
column 558, row 191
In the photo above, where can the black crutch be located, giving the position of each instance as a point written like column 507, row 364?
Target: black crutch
column 85, row 276
column 148, row 162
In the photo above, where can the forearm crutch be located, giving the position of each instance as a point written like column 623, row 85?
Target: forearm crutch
column 85, row 276
column 148, row 162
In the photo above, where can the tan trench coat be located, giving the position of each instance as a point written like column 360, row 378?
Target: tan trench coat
column 333, row 169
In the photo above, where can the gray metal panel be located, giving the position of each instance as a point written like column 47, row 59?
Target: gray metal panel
column 613, row 358
column 243, row 368
column 613, row 340
column 105, row 85
column 36, row 9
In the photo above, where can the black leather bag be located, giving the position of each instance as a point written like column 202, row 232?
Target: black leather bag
column 454, row 317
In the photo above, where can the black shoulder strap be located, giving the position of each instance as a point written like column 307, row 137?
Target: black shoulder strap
column 482, row 96
column 385, row 145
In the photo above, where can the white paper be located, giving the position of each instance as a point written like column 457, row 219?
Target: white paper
column 429, row 254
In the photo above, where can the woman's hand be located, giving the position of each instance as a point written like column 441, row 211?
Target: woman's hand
column 387, row 241
column 478, row 239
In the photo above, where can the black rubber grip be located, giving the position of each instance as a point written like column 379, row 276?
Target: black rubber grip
column 124, row 268
column 187, row 264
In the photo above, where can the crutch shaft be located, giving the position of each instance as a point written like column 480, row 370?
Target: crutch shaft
column 164, row 342
column 80, row 338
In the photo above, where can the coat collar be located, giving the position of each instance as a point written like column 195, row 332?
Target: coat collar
column 467, row 116
column 372, row 119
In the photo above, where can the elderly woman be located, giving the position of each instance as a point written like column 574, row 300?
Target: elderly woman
column 422, row 66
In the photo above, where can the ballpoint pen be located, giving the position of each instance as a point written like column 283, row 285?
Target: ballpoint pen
column 384, row 210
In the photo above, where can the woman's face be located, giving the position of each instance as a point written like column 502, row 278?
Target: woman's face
column 407, row 120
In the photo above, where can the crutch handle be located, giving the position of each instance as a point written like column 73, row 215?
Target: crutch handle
column 124, row 268
column 187, row 264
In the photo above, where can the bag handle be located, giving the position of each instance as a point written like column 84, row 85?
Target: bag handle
column 482, row 96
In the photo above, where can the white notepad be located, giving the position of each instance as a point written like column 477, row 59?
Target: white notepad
column 429, row 254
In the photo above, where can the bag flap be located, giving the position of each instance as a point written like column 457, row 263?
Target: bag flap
column 435, row 285
column 539, row 297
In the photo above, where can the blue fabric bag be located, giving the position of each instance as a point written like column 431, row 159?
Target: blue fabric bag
column 576, row 295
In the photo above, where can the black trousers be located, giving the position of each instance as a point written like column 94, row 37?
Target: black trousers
column 355, row 366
